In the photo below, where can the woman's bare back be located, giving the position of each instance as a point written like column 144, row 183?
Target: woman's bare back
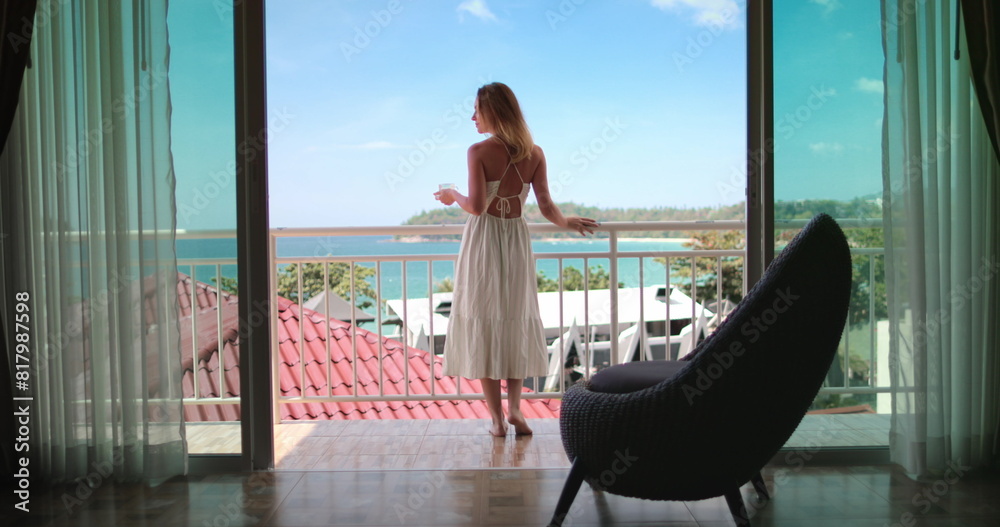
column 495, row 159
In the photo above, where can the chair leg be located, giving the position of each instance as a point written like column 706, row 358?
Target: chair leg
column 570, row 489
column 737, row 508
column 758, row 485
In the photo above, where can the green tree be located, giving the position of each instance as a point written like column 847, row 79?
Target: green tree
column 229, row 285
column 598, row 278
column 446, row 285
column 706, row 272
column 545, row 283
column 454, row 215
column 867, row 272
column 867, row 281
column 339, row 282
column 858, row 372
column 868, row 277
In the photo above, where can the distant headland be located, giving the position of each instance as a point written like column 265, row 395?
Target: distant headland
column 455, row 215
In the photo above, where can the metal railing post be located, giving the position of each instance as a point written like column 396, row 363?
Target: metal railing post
column 275, row 349
column 613, row 291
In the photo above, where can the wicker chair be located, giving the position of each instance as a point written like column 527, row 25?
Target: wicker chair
column 692, row 430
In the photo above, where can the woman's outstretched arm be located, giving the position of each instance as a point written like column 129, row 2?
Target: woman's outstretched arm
column 549, row 209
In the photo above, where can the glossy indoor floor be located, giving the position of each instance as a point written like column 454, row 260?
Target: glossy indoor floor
column 808, row 496
column 414, row 444
column 425, row 443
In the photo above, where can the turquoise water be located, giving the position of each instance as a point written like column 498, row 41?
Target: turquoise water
column 417, row 279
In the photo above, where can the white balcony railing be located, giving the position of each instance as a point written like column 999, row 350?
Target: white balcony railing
column 612, row 255
column 593, row 314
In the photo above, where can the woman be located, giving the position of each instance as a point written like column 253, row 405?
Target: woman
column 494, row 329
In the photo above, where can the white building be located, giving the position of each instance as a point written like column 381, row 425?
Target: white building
column 590, row 311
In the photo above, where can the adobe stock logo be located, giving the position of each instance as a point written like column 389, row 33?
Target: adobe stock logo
column 366, row 33
column 728, row 17
column 786, row 127
column 425, row 148
column 757, row 326
column 563, row 12
column 926, row 497
column 622, row 462
column 587, row 154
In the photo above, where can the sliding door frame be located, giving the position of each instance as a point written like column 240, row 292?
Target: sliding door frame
column 252, row 236
column 760, row 205
column 760, row 140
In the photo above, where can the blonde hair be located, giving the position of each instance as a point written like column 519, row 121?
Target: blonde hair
column 499, row 107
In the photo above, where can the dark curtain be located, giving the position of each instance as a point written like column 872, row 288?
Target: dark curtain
column 982, row 31
column 16, row 24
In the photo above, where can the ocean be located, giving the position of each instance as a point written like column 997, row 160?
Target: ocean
column 417, row 282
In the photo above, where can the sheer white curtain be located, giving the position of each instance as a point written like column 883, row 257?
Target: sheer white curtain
column 941, row 212
column 90, row 250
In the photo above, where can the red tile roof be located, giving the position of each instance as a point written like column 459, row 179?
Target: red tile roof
column 205, row 298
column 340, row 381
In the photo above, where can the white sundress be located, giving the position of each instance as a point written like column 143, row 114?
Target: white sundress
column 494, row 329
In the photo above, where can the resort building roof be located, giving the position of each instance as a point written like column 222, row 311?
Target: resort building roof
column 304, row 370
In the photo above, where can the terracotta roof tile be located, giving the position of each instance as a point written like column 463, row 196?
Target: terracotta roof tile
column 391, row 376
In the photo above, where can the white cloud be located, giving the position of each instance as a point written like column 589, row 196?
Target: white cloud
column 869, row 85
column 826, row 148
column 476, row 8
column 828, row 6
column 715, row 13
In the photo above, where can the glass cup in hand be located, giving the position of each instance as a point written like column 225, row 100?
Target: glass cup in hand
column 441, row 194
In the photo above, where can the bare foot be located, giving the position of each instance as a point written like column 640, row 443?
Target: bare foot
column 521, row 427
column 498, row 430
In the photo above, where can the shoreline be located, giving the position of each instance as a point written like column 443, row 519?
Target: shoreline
column 423, row 239
column 674, row 240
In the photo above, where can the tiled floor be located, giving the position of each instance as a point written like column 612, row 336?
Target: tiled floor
column 464, row 443
column 808, row 497
column 416, row 444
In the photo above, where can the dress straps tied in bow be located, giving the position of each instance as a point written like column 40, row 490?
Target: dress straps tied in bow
column 503, row 202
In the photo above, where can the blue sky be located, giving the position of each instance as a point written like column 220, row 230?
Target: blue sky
column 637, row 103
column 828, row 145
